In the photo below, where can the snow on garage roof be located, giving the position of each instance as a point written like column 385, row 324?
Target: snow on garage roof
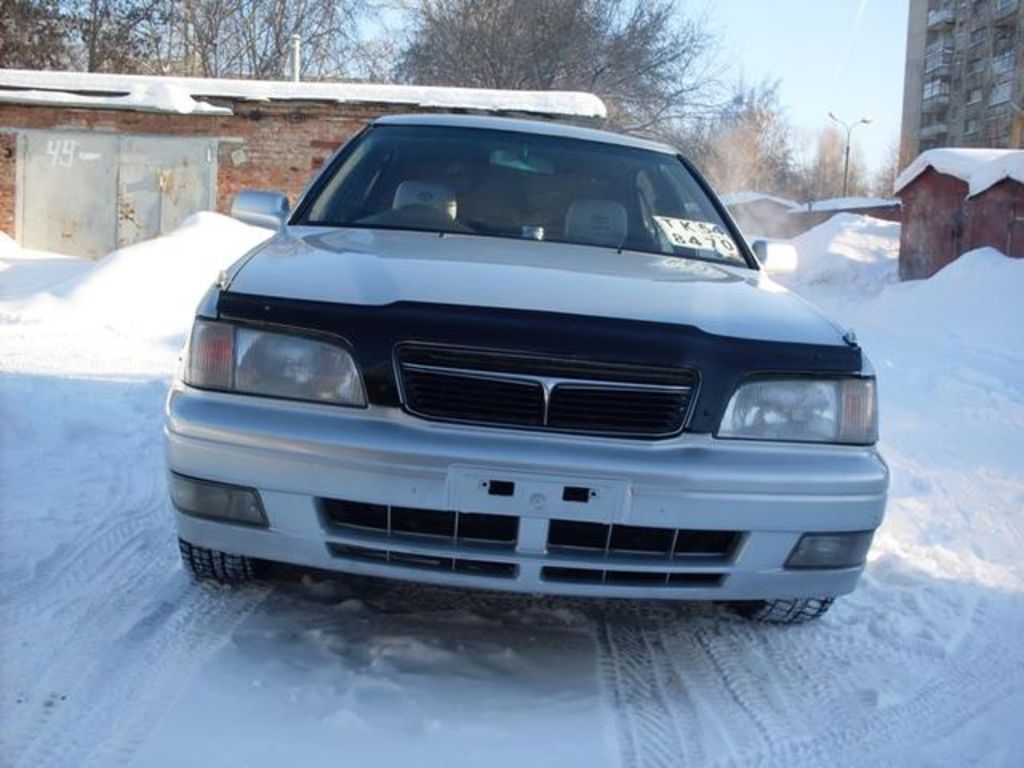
column 183, row 94
column 980, row 168
column 746, row 197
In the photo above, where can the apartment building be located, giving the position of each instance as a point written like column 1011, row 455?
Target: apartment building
column 964, row 84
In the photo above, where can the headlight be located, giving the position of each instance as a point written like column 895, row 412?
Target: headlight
column 236, row 359
column 804, row 410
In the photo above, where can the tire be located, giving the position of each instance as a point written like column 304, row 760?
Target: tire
column 211, row 565
column 791, row 611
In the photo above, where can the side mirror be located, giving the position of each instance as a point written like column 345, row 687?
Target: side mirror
column 263, row 209
column 776, row 256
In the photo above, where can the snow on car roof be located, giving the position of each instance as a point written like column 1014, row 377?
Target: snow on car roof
column 526, row 126
column 980, row 168
column 184, row 95
column 747, row 196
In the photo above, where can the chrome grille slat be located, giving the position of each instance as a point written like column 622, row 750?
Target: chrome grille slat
column 516, row 390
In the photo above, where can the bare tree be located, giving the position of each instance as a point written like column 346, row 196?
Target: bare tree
column 885, row 177
column 748, row 146
column 651, row 63
column 823, row 175
column 252, row 38
column 33, row 34
column 108, row 34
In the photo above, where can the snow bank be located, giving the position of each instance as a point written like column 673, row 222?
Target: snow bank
column 980, row 168
column 849, row 253
column 176, row 93
column 7, row 245
column 24, row 273
column 151, row 289
column 976, row 299
column 846, row 204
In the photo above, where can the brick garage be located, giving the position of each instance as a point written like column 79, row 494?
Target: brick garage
column 933, row 228
column 995, row 218
column 956, row 200
column 263, row 135
column 282, row 143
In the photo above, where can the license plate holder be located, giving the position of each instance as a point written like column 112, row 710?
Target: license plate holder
column 530, row 494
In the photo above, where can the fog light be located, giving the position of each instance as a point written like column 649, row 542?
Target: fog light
column 218, row 501
column 830, row 550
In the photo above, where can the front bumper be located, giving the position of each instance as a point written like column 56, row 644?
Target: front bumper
column 298, row 455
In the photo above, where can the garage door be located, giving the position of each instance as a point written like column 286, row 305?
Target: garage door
column 66, row 192
column 85, row 194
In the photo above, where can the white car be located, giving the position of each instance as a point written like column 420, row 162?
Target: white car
column 523, row 356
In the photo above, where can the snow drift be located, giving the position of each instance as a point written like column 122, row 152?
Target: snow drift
column 848, row 253
column 151, row 289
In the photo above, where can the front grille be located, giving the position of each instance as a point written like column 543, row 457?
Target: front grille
column 381, row 531
column 630, row 578
column 504, row 389
column 451, row 395
column 593, row 408
column 611, row 541
column 472, row 567
column 428, row 525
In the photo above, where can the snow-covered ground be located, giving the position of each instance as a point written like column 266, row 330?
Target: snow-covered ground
column 110, row 655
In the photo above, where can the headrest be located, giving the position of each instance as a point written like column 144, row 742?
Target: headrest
column 426, row 193
column 596, row 222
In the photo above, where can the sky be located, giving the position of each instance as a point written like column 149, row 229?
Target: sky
column 844, row 56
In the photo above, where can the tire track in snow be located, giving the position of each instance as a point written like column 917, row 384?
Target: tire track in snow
column 930, row 712
column 124, row 558
column 108, row 709
column 645, row 691
column 719, row 692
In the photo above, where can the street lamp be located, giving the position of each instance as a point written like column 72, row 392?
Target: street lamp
column 849, row 129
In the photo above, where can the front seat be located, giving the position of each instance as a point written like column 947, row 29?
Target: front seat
column 428, row 193
column 596, row 222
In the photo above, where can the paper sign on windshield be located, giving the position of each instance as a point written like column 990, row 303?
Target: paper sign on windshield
column 702, row 235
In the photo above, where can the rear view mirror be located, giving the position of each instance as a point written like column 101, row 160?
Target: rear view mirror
column 776, row 256
column 261, row 208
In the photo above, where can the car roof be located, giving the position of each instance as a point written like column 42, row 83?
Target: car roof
column 561, row 130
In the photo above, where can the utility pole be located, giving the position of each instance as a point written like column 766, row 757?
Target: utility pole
column 849, row 129
column 296, row 57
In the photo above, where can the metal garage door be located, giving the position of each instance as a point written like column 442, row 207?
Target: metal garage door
column 85, row 194
column 161, row 181
column 66, row 191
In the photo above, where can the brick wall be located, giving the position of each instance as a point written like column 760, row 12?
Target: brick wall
column 799, row 222
column 8, row 169
column 274, row 145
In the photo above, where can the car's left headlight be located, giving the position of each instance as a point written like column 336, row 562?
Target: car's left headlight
column 818, row 410
column 253, row 361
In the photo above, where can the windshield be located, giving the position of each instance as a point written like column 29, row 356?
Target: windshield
column 521, row 185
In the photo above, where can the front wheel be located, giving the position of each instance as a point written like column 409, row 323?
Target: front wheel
column 791, row 611
column 211, row 565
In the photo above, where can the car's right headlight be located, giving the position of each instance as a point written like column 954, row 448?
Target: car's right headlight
column 253, row 361
column 795, row 409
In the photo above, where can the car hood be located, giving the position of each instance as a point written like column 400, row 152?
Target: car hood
column 379, row 267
